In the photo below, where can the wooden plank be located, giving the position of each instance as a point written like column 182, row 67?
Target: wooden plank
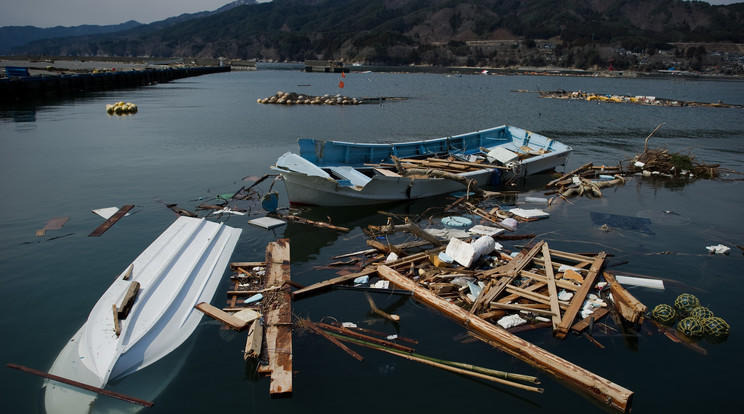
column 77, row 384
column 598, row 314
column 603, row 390
column 552, row 290
column 235, row 265
column 578, row 299
column 110, row 222
column 222, row 316
column 278, row 320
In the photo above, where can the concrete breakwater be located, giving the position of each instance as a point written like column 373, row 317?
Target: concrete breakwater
column 31, row 87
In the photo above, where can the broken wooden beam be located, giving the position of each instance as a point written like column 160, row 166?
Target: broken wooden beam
column 111, row 220
column 253, row 341
column 600, row 388
column 629, row 307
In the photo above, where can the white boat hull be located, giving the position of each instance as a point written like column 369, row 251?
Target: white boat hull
column 181, row 268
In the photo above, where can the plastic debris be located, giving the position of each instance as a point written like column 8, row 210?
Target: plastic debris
column 254, row 298
column 535, row 200
column 533, row 213
column 718, row 249
column 361, row 280
column 348, row 324
column 481, row 230
column 511, row 321
column 381, row 284
column 510, row 222
column 467, row 253
column 456, row 221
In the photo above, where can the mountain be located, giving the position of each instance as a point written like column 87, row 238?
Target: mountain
column 14, row 36
column 17, row 36
column 575, row 33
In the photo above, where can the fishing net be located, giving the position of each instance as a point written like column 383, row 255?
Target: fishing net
column 664, row 313
column 690, row 327
column 686, row 302
column 715, row 326
column 701, row 312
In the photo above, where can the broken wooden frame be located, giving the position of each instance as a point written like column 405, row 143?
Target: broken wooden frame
column 271, row 336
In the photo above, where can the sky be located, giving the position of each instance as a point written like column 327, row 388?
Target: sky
column 50, row 13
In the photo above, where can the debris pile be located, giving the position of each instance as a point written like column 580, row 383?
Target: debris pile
column 293, row 98
column 632, row 99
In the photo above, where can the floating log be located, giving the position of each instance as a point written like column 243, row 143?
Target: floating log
column 600, row 388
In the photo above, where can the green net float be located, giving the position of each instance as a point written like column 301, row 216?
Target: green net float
column 715, row 327
column 664, row 313
column 690, row 327
column 686, row 302
column 701, row 312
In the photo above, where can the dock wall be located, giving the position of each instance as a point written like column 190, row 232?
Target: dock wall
column 23, row 88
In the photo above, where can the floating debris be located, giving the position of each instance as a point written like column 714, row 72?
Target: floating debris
column 293, row 98
column 636, row 99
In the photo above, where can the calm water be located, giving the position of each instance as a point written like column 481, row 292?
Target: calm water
column 196, row 138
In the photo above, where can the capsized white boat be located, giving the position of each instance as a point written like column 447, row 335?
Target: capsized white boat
column 146, row 313
column 335, row 173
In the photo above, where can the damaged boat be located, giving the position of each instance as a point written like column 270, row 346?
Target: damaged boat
column 146, row 313
column 336, row 173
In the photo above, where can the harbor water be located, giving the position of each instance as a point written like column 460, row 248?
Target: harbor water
column 198, row 137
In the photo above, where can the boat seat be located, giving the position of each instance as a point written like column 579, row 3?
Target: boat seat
column 354, row 176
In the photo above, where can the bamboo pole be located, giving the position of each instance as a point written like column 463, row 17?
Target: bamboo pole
column 440, row 365
column 600, row 388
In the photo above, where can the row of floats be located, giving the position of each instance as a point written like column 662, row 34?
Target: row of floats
column 293, row 98
column 121, row 108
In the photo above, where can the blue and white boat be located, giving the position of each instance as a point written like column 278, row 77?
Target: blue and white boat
column 336, row 173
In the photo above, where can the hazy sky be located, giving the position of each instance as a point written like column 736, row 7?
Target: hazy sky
column 50, row 13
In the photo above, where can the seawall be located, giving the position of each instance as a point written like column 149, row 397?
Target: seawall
column 32, row 87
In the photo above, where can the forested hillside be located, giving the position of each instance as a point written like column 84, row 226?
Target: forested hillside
column 575, row 33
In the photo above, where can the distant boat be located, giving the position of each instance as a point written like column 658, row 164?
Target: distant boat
column 335, row 173
column 146, row 313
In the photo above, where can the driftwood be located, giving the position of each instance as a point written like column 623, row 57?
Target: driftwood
column 470, row 185
column 378, row 311
column 302, row 220
column 408, row 227
column 564, row 176
column 600, row 388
